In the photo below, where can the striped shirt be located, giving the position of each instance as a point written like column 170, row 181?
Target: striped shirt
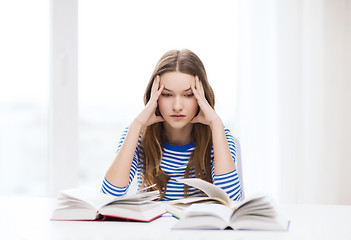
column 174, row 162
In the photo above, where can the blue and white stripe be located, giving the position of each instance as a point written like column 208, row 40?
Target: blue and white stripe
column 174, row 162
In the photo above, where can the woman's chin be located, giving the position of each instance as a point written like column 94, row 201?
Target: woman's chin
column 178, row 125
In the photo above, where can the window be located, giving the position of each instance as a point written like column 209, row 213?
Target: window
column 24, row 48
column 118, row 49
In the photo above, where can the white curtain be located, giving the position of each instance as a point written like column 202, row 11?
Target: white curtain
column 294, row 101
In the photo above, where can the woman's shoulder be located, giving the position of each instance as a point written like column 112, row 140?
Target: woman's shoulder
column 230, row 136
column 125, row 130
column 123, row 136
column 227, row 131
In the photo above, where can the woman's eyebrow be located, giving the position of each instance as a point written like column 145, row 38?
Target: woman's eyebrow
column 172, row 91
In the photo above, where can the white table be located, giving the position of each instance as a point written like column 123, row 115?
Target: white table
column 28, row 218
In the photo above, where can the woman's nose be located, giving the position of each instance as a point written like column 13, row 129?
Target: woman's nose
column 177, row 105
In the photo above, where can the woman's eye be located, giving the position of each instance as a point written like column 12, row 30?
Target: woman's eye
column 189, row 95
column 166, row 94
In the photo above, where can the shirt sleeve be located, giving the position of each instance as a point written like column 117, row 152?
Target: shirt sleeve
column 110, row 189
column 229, row 181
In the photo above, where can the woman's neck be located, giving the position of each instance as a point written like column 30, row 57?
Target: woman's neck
column 178, row 137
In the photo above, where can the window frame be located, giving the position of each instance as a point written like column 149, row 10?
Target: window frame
column 63, row 97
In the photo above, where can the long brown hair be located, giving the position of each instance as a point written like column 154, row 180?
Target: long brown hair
column 184, row 61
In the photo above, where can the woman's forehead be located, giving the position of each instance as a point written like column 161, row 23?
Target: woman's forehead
column 177, row 81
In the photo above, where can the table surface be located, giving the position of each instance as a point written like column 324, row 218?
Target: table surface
column 29, row 218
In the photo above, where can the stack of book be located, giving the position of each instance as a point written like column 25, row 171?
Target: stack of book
column 214, row 211
column 218, row 211
column 90, row 204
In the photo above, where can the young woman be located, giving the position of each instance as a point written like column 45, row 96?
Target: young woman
column 177, row 135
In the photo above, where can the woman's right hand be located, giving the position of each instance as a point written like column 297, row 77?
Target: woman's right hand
column 119, row 172
column 148, row 116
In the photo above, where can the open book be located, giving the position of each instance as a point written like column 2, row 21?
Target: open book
column 90, row 204
column 218, row 211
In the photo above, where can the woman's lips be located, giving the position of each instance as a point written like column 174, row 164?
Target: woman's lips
column 178, row 116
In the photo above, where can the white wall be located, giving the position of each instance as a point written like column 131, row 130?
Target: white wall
column 257, row 116
column 295, row 103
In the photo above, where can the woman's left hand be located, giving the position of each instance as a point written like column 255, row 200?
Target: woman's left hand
column 207, row 114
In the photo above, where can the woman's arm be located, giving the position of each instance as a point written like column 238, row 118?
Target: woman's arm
column 136, row 166
column 223, row 168
column 222, row 157
column 228, row 181
column 119, row 171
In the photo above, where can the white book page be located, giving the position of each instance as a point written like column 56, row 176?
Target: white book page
column 85, row 197
column 205, row 209
column 260, row 223
column 93, row 198
column 210, row 189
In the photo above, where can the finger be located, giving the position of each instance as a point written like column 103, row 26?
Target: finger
column 156, row 88
column 200, row 97
column 160, row 89
column 156, row 95
column 195, row 92
column 197, row 85
column 200, row 86
column 155, row 84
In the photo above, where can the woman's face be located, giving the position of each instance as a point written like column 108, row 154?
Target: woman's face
column 177, row 103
